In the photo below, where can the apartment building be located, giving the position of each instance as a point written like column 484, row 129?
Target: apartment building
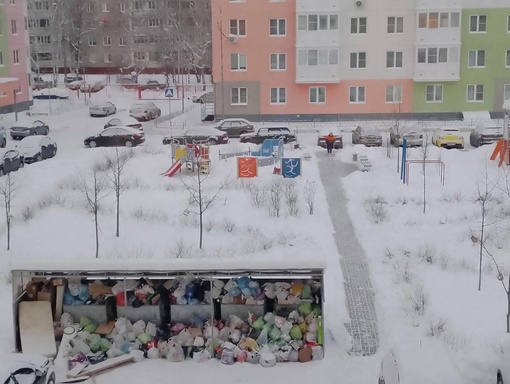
column 113, row 36
column 303, row 59
column 15, row 92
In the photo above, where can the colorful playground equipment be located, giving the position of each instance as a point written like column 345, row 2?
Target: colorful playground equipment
column 404, row 169
column 502, row 151
column 270, row 153
column 192, row 155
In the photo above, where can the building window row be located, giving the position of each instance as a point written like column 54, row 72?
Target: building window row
column 438, row 20
column 314, row 57
column 317, row 22
column 39, row 23
column 40, row 39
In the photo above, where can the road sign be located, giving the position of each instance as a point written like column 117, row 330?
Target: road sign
column 169, row 92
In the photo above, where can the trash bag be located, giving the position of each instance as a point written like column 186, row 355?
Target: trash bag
column 123, row 326
column 253, row 357
column 275, row 333
column 305, row 308
column 104, row 345
column 293, row 356
column 286, row 327
column 139, row 327
column 259, row 323
column 235, row 322
column 153, row 353
column 317, row 352
column 151, row 329
column 144, row 338
column 235, row 336
column 175, row 353
column 91, row 328
column 267, row 358
column 295, row 333
column 227, row 357
column 201, row 356
column 185, row 338
column 307, row 292
column 242, row 357
column 84, row 321
column 66, row 319
column 269, row 318
column 224, row 334
column 262, row 339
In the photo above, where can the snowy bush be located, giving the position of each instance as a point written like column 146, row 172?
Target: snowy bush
column 27, row 214
column 209, row 225
column 228, row 224
column 403, row 273
column 275, row 198
column 444, row 261
column 375, row 206
column 258, row 194
column 180, row 250
column 150, row 215
column 50, row 200
column 427, row 254
column 417, row 301
column 291, row 197
column 310, row 191
column 436, row 327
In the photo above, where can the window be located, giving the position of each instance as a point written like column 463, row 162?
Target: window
column 238, row 61
column 478, row 23
column 506, row 94
column 140, row 39
column 438, row 20
column 122, row 41
column 138, row 5
column 395, row 24
column 105, row 8
column 238, row 96
column 122, row 7
column 508, row 24
column 358, row 60
column 393, row 94
column 507, row 61
column 318, row 57
column 278, row 61
column 44, row 39
column 432, row 55
column 317, row 22
column 1, row 58
column 317, row 95
column 107, row 40
column 475, row 92
column 238, row 27
column 278, row 95
column 44, row 23
column 107, row 58
column 476, row 59
column 31, row 39
column 434, row 93
column 359, row 25
column 89, row 7
column 13, row 1
column 92, row 42
column 15, row 56
column 92, row 58
column 277, row 27
column 356, row 94
column 154, row 22
column 152, row 5
column 140, row 56
column 14, row 27
column 394, row 59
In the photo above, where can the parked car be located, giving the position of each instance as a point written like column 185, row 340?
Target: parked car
column 37, row 148
column 485, row 134
column 10, row 160
column 448, row 137
column 51, row 93
column 206, row 97
column 126, row 122
column 116, row 137
column 413, row 139
column 369, row 138
column 152, row 84
column 102, row 108
column 36, row 128
column 264, row 133
column 92, row 87
column 144, row 110
column 21, row 368
column 235, row 127
column 419, row 362
column 38, row 83
column 72, row 77
column 3, row 137
column 127, row 82
column 75, row 85
column 198, row 135
column 323, row 132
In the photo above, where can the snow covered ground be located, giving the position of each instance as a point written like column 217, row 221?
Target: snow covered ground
column 412, row 255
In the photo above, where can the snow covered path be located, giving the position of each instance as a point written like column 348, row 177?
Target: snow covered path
column 358, row 288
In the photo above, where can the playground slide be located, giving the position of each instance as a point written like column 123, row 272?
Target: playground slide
column 174, row 168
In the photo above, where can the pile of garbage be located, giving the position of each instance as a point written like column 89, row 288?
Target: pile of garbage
column 290, row 335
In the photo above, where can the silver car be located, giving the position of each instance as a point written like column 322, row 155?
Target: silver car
column 413, row 139
column 102, row 108
column 144, row 110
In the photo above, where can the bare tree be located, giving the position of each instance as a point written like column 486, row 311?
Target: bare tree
column 94, row 192
column 116, row 166
column 310, row 190
column 8, row 192
column 199, row 198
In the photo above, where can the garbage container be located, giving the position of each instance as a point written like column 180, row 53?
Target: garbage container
column 354, row 157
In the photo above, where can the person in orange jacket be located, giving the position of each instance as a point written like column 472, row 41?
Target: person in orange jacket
column 330, row 142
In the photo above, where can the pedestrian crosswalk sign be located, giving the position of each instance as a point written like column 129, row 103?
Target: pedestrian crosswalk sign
column 169, row 92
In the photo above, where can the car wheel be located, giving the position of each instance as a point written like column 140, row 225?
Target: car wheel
column 47, row 131
column 1, row 172
column 22, row 164
column 129, row 144
column 38, row 158
column 211, row 141
column 3, row 144
column 54, row 153
column 34, row 133
column 243, row 132
column 92, row 144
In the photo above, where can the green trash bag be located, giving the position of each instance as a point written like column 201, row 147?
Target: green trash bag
column 144, row 338
column 275, row 333
column 295, row 333
column 104, row 345
column 91, row 328
column 94, row 342
column 307, row 292
column 84, row 321
column 259, row 323
column 305, row 308
column 267, row 327
column 317, row 311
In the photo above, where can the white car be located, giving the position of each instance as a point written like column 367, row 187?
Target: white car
column 425, row 361
column 102, row 108
column 144, row 110
column 201, row 98
column 26, row 369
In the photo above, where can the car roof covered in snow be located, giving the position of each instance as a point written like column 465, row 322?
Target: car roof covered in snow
column 30, row 141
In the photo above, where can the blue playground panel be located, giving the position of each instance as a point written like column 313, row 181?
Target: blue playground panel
column 270, row 147
column 291, row 167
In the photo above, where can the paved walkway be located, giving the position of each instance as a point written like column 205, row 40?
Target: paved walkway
column 358, row 288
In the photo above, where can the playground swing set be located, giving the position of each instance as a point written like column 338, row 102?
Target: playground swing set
column 190, row 154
